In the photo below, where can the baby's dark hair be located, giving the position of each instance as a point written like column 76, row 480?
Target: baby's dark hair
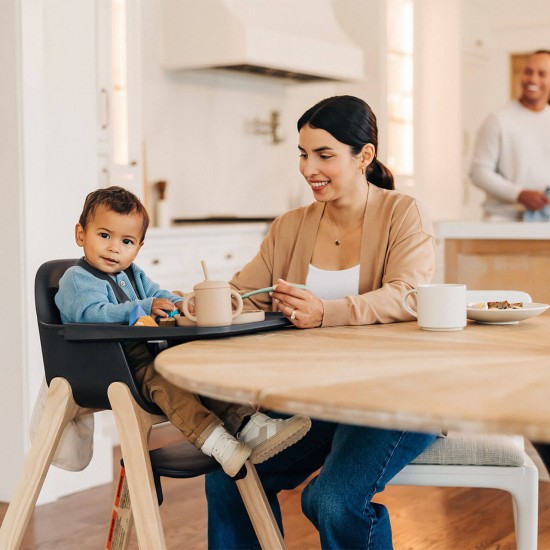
column 118, row 200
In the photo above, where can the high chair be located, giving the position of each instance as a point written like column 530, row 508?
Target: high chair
column 86, row 371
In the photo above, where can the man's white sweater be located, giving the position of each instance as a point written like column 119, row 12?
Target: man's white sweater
column 512, row 153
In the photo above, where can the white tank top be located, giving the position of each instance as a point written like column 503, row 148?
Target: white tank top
column 331, row 285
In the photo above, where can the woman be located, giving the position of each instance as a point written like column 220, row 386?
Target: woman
column 358, row 249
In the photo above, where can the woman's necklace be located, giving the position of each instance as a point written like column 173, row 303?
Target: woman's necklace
column 338, row 240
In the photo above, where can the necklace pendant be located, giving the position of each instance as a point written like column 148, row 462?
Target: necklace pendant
column 337, row 242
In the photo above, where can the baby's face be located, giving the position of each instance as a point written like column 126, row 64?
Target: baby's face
column 111, row 241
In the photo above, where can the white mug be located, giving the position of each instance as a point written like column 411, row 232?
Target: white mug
column 213, row 304
column 439, row 306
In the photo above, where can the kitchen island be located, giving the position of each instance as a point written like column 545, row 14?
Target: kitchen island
column 500, row 256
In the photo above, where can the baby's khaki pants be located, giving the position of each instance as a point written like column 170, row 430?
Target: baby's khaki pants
column 196, row 417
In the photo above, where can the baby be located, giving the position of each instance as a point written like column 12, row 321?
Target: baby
column 111, row 230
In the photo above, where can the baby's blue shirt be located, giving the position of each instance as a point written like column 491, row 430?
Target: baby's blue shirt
column 84, row 298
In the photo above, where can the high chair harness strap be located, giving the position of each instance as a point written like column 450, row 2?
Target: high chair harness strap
column 121, row 296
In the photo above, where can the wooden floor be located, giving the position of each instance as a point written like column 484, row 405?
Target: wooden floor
column 423, row 518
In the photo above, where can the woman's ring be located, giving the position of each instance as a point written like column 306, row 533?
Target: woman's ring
column 293, row 315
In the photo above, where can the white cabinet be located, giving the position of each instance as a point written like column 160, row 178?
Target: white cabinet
column 172, row 257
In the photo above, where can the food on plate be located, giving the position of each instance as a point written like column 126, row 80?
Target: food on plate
column 504, row 304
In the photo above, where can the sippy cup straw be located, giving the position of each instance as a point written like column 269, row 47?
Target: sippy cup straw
column 205, row 270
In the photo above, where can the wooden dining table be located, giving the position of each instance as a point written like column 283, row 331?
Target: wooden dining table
column 485, row 378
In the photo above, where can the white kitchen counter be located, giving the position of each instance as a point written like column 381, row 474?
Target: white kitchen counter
column 492, row 230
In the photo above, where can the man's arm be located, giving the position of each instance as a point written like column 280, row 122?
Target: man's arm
column 483, row 171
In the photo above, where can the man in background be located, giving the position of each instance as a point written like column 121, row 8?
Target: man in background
column 511, row 160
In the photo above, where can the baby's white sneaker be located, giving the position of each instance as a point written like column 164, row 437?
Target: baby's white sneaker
column 230, row 452
column 268, row 436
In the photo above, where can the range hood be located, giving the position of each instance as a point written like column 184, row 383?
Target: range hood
column 296, row 39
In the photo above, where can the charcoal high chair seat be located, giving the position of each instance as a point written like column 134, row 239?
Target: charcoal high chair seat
column 86, row 371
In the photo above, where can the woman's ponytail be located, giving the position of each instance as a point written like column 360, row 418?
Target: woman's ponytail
column 379, row 174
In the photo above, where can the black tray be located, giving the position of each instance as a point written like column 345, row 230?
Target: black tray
column 80, row 332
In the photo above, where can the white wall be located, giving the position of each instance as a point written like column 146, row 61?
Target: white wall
column 197, row 125
column 67, row 152
column 48, row 115
column 12, row 396
column 59, row 124
column 437, row 115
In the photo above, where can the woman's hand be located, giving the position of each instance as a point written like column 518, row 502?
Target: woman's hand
column 160, row 306
column 300, row 306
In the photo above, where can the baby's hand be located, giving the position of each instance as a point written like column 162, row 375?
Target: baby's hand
column 160, row 306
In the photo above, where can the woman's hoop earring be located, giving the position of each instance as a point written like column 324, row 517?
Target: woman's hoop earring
column 363, row 170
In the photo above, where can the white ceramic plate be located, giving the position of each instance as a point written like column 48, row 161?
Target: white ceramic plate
column 505, row 316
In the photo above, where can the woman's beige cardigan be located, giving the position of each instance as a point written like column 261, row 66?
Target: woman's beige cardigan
column 397, row 254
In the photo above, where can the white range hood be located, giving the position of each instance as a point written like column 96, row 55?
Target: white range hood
column 297, row 39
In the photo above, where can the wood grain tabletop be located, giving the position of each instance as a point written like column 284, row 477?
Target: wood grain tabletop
column 485, row 378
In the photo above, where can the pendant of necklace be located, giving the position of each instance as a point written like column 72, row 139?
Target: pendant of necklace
column 338, row 240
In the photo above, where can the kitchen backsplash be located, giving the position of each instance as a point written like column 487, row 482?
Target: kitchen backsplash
column 199, row 135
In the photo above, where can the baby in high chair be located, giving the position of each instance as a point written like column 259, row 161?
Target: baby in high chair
column 111, row 230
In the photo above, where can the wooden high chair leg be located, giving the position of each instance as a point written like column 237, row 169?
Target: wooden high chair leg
column 133, row 425
column 259, row 510
column 60, row 408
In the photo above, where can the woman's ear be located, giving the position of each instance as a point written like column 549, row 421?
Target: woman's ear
column 367, row 154
column 79, row 235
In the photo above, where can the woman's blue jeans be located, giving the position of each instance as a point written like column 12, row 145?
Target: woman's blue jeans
column 357, row 463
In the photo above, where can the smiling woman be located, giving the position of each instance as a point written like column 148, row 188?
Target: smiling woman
column 358, row 249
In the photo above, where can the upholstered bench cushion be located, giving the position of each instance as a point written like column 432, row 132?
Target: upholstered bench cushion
column 480, row 450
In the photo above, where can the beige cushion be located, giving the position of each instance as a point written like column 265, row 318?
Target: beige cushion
column 76, row 446
column 480, row 450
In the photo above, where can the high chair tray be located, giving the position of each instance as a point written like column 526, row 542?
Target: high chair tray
column 80, row 332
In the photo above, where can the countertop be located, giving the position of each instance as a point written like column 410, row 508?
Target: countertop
column 194, row 228
column 492, row 230
column 220, row 219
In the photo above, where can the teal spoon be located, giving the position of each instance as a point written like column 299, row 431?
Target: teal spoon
column 268, row 289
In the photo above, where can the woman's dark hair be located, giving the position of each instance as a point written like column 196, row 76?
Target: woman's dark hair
column 351, row 121
column 118, row 200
